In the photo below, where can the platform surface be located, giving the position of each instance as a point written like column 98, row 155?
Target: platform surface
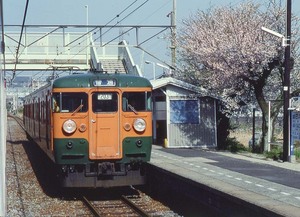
column 269, row 184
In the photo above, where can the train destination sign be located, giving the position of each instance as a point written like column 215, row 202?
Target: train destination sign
column 104, row 83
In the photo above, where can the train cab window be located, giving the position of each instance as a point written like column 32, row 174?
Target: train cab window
column 70, row 102
column 105, row 102
column 136, row 101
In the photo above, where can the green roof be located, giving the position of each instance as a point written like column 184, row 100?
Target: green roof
column 89, row 80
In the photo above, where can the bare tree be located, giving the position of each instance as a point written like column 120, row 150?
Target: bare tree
column 225, row 51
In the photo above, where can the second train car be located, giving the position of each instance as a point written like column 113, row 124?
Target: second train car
column 96, row 127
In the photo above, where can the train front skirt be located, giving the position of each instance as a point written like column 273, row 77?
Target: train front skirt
column 104, row 175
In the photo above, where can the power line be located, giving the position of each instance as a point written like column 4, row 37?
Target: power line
column 133, row 11
column 123, row 18
column 118, row 15
column 22, row 29
column 110, row 27
column 23, row 24
column 154, row 12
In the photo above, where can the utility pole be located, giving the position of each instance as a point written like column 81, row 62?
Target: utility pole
column 253, row 129
column 3, row 118
column 286, row 83
column 173, row 34
column 87, row 35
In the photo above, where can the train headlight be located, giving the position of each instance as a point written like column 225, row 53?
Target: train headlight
column 139, row 124
column 69, row 126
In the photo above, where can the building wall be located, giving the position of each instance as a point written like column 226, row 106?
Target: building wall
column 189, row 119
column 202, row 134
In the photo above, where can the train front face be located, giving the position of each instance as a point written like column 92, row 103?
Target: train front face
column 102, row 130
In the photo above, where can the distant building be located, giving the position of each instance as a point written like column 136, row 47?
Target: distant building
column 21, row 81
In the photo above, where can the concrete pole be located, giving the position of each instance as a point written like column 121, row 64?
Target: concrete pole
column 87, row 36
column 269, row 128
column 253, row 129
column 3, row 123
column 286, row 84
column 173, row 34
column 3, row 118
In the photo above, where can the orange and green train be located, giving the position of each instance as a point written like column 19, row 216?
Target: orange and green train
column 96, row 127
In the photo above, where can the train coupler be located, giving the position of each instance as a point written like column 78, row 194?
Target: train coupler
column 106, row 168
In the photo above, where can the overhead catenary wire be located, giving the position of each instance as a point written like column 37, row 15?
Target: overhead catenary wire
column 133, row 11
column 118, row 15
column 21, row 34
column 124, row 18
column 22, row 29
column 110, row 27
column 155, row 11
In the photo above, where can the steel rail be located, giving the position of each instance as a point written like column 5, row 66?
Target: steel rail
column 134, row 207
column 18, row 120
column 91, row 207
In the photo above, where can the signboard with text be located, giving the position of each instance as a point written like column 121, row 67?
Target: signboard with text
column 295, row 130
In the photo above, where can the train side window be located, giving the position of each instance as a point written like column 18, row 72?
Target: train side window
column 56, row 102
column 105, row 102
column 136, row 101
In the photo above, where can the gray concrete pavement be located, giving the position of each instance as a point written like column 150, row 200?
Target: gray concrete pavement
column 249, row 177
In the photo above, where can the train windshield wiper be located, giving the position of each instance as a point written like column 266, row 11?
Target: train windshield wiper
column 132, row 109
column 77, row 110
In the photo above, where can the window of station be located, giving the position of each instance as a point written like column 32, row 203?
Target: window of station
column 105, row 102
column 136, row 101
column 70, row 102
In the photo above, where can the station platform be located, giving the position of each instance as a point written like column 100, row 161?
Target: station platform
column 268, row 188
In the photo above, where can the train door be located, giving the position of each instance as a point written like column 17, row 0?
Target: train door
column 105, row 126
column 48, row 116
column 39, row 118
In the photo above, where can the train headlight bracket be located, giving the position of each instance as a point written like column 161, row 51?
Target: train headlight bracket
column 69, row 126
column 127, row 126
column 82, row 127
column 139, row 124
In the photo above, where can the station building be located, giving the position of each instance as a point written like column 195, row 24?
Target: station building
column 184, row 116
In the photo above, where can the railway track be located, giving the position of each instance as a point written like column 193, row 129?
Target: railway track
column 125, row 206
column 135, row 203
column 130, row 205
column 18, row 120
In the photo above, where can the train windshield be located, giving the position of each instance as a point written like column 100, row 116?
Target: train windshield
column 70, row 102
column 136, row 101
column 105, row 102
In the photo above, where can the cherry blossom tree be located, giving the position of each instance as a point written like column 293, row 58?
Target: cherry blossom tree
column 225, row 50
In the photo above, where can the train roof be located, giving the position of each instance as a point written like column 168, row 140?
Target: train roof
column 94, row 79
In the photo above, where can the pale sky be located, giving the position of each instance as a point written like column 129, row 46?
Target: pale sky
column 100, row 12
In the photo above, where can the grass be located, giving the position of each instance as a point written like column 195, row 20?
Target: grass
column 274, row 153
column 297, row 154
column 234, row 146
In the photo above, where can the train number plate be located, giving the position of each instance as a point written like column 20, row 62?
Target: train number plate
column 104, row 96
